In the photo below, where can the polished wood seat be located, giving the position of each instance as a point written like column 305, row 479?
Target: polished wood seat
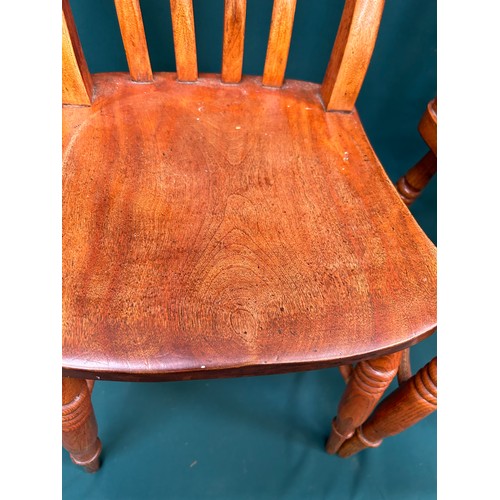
column 210, row 227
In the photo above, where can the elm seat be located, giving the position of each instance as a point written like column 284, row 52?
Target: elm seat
column 214, row 230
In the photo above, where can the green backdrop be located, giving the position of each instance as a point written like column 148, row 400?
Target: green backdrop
column 263, row 437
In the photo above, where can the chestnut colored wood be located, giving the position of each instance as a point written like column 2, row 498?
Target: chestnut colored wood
column 428, row 126
column 411, row 185
column 213, row 230
column 134, row 39
column 184, row 40
column 366, row 385
column 346, row 372
column 79, row 427
column 233, row 41
column 351, row 53
column 280, row 36
column 407, row 405
column 404, row 370
column 76, row 80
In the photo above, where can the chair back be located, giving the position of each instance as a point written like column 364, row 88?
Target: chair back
column 351, row 53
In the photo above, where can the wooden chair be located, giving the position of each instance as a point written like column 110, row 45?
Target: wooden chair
column 227, row 225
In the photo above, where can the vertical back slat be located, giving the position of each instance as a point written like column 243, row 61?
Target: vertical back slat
column 234, row 38
column 184, row 40
column 278, row 46
column 351, row 53
column 134, row 39
column 76, row 79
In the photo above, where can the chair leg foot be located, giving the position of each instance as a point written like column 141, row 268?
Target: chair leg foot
column 79, row 426
column 336, row 438
column 367, row 383
column 90, row 464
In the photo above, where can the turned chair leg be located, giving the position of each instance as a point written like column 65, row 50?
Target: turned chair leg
column 411, row 185
column 79, row 426
column 90, row 385
column 367, row 383
column 346, row 372
column 407, row 405
column 404, row 371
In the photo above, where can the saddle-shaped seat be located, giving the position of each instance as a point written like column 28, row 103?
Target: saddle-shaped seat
column 232, row 228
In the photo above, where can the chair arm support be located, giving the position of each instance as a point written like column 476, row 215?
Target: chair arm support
column 410, row 186
column 351, row 54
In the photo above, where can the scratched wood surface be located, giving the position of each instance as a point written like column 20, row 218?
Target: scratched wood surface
column 213, row 230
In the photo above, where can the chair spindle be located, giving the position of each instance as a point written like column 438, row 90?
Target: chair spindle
column 134, row 39
column 278, row 46
column 184, row 40
column 234, row 38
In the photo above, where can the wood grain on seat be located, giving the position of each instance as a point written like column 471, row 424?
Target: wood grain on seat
column 214, row 230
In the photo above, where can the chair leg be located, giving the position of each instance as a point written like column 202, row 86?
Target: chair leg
column 404, row 371
column 79, row 426
column 90, row 384
column 407, row 405
column 366, row 386
column 346, row 372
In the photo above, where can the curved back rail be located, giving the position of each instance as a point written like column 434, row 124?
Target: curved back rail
column 344, row 75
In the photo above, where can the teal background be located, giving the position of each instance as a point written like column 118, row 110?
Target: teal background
column 263, row 437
